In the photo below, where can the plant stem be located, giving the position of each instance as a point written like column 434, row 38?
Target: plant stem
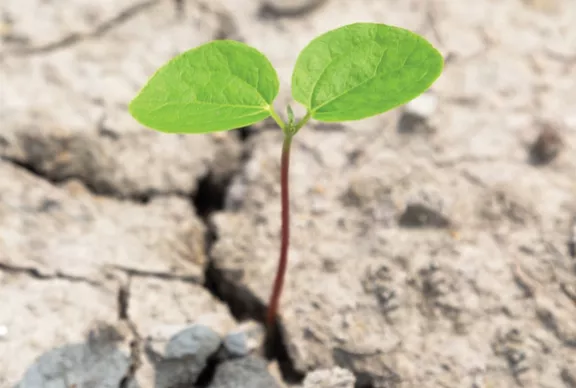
column 285, row 232
column 289, row 131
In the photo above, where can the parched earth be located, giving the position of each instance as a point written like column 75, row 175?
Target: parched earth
column 430, row 245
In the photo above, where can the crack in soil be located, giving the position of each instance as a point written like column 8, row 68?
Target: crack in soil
column 136, row 343
column 243, row 304
column 132, row 272
column 33, row 170
column 36, row 274
column 78, row 37
column 101, row 190
column 272, row 11
column 208, row 198
column 227, row 27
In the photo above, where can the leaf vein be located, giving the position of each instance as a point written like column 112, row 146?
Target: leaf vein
column 197, row 102
column 332, row 59
column 356, row 86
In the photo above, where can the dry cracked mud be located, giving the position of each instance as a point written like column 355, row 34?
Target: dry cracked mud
column 431, row 245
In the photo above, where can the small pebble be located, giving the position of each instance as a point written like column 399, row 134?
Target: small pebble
column 236, row 344
column 246, row 372
column 247, row 338
column 425, row 209
column 422, row 106
column 547, row 145
column 416, row 114
column 197, row 340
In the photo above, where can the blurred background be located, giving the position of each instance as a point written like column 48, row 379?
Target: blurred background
column 430, row 245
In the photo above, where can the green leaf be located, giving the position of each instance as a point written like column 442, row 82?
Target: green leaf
column 218, row 86
column 362, row 70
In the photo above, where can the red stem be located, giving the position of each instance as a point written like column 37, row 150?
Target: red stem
column 279, row 281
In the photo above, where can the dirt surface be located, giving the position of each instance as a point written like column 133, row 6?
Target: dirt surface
column 430, row 245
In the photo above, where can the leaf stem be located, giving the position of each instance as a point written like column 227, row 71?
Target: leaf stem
column 285, row 232
column 277, row 118
column 302, row 122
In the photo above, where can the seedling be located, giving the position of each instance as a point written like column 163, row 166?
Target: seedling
column 350, row 73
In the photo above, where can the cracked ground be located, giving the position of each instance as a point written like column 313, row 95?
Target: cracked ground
column 431, row 244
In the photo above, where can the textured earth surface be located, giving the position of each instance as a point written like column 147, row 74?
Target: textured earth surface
column 429, row 244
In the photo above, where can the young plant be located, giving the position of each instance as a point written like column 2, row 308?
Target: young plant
column 350, row 73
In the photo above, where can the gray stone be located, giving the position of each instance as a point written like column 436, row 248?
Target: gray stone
column 71, row 251
column 235, row 344
column 198, row 341
column 163, row 311
column 186, row 356
column 41, row 315
column 248, row 337
column 247, row 372
column 96, row 363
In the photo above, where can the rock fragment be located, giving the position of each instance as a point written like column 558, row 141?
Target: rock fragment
column 416, row 114
column 186, row 356
column 247, row 338
column 424, row 210
column 44, row 315
column 547, row 145
column 247, row 372
column 97, row 362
